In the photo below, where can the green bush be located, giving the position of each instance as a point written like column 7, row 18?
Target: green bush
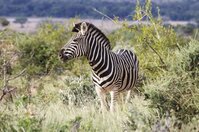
column 29, row 124
column 150, row 40
column 150, row 46
column 78, row 91
column 39, row 52
column 177, row 91
column 4, row 21
column 5, row 122
column 21, row 20
column 18, row 120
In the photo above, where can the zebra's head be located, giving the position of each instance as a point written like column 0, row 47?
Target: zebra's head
column 76, row 46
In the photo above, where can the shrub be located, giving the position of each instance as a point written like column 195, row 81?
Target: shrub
column 21, row 20
column 29, row 124
column 177, row 91
column 78, row 91
column 151, row 40
column 4, row 22
column 4, row 122
column 39, row 52
column 140, row 115
column 16, row 118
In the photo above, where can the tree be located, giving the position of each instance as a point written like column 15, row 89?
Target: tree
column 4, row 22
column 21, row 20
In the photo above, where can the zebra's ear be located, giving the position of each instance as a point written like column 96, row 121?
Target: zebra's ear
column 76, row 27
column 83, row 28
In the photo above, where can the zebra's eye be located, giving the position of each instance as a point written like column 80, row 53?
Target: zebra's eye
column 75, row 40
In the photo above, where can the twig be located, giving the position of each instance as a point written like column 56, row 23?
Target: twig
column 146, row 14
column 155, row 52
column 157, row 33
column 18, row 75
column 141, row 17
column 105, row 15
column 4, row 73
column 6, row 91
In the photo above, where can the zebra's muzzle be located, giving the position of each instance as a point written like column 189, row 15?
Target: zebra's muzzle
column 63, row 57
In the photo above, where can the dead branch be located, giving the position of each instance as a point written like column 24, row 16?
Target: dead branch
column 6, row 91
column 18, row 75
column 6, row 80
column 115, row 22
column 147, row 43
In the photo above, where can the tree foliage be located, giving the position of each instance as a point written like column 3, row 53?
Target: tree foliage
column 21, row 20
column 4, row 22
column 39, row 52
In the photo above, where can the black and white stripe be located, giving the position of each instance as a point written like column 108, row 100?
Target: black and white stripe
column 112, row 72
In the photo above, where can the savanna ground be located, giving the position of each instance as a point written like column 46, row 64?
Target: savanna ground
column 107, row 26
column 39, row 93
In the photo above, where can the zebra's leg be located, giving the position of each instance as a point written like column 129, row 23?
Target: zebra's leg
column 128, row 96
column 102, row 97
column 114, row 96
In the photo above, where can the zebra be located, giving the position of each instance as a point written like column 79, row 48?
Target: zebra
column 111, row 72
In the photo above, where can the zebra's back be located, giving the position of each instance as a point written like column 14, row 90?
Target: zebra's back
column 128, row 67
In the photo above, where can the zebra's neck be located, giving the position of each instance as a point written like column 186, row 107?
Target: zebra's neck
column 98, row 52
column 98, row 55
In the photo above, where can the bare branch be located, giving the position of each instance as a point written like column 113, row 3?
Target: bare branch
column 105, row 15
column 156, row 53
column 18, row 75
column 2, row 96
column 4, row 73
column 141, row 18
column 6, row 91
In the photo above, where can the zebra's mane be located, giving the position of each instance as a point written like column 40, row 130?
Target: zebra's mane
column 77, row 26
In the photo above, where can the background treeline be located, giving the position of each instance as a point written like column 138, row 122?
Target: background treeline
column 174, row 10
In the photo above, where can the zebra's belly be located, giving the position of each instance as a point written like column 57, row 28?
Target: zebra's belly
column 105, row 88
column 118, row 84
column 105, row 83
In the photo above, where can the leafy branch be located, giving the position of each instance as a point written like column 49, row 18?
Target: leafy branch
column 145, row 12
